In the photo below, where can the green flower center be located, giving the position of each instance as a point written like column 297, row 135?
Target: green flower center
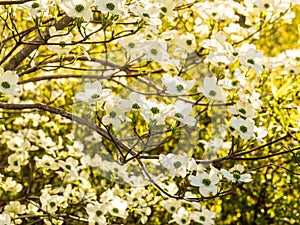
column 146, row 15
column 112, row 114
column 131, row 45
column 95, row 96
column 99, row 213
column 206, row 181
column 164, row 9
column 179, row 115
column 115, row 210
column 154, row 51
column 68, row 167
column 212, row 93
column 235, row 53
column 110, row 6
column 155, row 110
column 202, row 218
column 172, row 208
column 52, row 204
column 35, row 5
column 189, row 42
column 183, row 220
column 237, row 174
column 266, row 5
column 177, row 164
column 5, row 85
column 79, row 8
column 243, row 129
column 243, row 111
column 251, row 61
column 234, row 83
column 136, row 106
column 179, row 87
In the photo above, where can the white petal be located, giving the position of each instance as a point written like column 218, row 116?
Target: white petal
column 10, row 76
column 195, row 181
column 210, row 82
column 227, row 174
column 245, row 178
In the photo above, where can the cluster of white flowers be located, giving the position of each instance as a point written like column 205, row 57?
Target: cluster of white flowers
column 151, row 110
column 182, row 216
column 181, row 165
column 66, row 166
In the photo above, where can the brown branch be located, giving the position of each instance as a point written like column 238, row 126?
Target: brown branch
column 12, row 2
column 58, row 112
column 28, row 49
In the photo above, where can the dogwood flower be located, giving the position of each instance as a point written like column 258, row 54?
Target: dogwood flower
column 134, row 102
column 181, row 113
column 114, row 114
column 5, row 219
column 117, row 207
column 77, row 8
column 177, row 165
column 211, row 89
column 11, row 185
column 157, row 51
column 70, row 166
column 93, row 92
column 17, row 160
column 243, row 108
column 14, row 208
column 250, row 57
column 204, row 217
column 112, row 6
column 177, row 85
column 155, row 111
column 51, row 203
column 206, row 182
column 36, row 7
column 171, row 205
column 260, row 133
column 181, row 217
column 96, row 212
column 243, row 127
column 235, row 174
column 8, row 82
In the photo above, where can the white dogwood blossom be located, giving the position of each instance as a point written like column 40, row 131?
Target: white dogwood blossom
column 78, row 8
column 96, row 212
column 112, row 6
column 177, row 165
column 211, row 89
column 177, row 85
column 207, row 183
column 93, row 92
column 5, row 219
column 243, row 127
column 235, row 174
column 243, row 108
column 181, row 113
column 9, row 82
column 117, row 207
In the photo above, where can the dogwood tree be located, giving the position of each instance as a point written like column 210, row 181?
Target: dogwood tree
column 149, row 112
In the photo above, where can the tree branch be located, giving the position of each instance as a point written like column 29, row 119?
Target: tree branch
column 28, row 49
column 12, row 2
